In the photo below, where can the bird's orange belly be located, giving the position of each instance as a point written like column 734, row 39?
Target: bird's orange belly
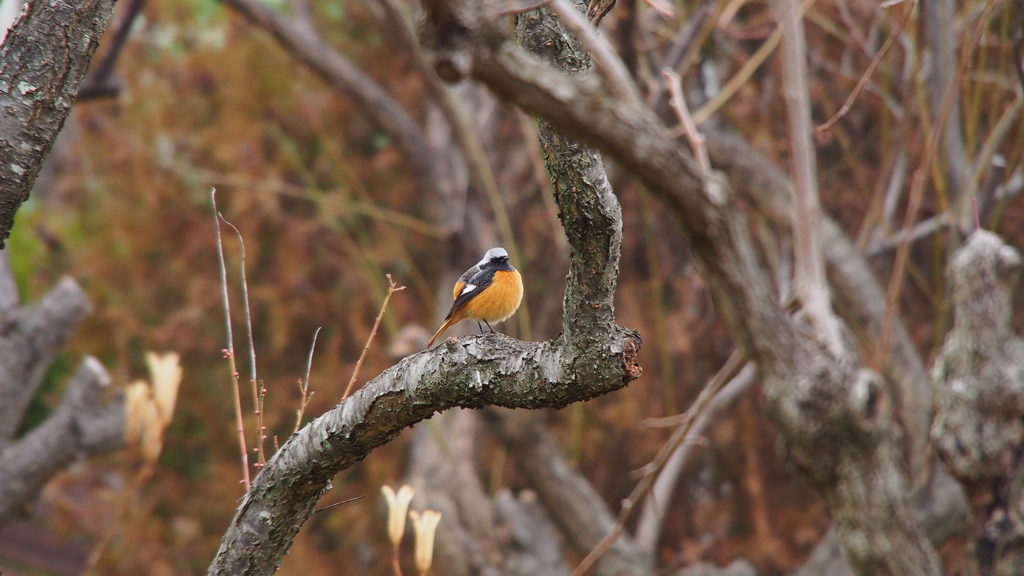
column 499, row 301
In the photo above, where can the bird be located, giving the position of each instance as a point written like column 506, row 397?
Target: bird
column 488, row 292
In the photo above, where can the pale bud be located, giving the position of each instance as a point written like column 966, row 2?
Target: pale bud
column 425, row 525
column 398, row 507
column 165, row 372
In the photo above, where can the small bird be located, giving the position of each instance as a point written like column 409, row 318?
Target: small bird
column 488, row 292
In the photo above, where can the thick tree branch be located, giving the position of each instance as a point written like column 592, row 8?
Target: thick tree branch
column 42, row 62
column 857, row 296
column 591, row 357
column 86, row 424
column 471, row 372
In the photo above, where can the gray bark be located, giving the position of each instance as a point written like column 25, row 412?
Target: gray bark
column 30, row 338
column 470, row 372
column 42, row 63
column 834, row 414
column 979, row 388
column 856, row 294
column 88, row 422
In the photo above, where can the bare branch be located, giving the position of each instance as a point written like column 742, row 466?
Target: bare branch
column 99, row 83
column 823, row 130
column 810, row 287
column 392, row 288
column 944, row 116
column 229, row 351
column 678, row 103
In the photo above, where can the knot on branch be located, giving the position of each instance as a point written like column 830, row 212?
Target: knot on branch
column 835, row 411
column 632, row 368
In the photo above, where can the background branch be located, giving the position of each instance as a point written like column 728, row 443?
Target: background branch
column 90, row 418
column 85, row 424
column 30, row 338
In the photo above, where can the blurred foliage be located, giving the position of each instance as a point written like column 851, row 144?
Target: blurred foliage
column 207, row 100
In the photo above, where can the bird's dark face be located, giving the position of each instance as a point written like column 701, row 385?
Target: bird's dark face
column 498, row 260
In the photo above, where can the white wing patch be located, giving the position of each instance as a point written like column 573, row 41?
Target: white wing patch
column 467, row 289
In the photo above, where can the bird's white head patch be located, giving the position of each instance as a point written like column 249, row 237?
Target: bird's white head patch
column 492, row 254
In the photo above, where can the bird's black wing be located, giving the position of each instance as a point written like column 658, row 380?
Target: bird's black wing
column 480, row 281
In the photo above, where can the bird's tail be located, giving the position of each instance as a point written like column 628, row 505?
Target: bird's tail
column 451, row 320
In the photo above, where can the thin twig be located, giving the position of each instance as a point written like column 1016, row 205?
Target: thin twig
column 304, row 384
column 822, row 131
column 391, row 290
column 810, row 285
column 329, row 506
column 881, row 355
column 663, row 8
column 258, row 391
column 229, row 352
column 1018, row 57
column 678, row 104
column 650, row 472
column 396, row 567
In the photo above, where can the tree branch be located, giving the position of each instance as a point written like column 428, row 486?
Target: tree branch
column 572, row 502
column 29, row 340
column 470, row 372
column 85, row 424
column 857, row 296
column 809, row 284
column 42, row 62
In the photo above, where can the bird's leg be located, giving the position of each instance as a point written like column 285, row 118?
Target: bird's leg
column 480, row 327
column 488, row 325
